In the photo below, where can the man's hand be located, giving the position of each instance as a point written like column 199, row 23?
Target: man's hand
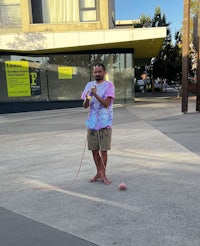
column 93, row 90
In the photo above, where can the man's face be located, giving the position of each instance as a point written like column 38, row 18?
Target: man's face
column 99, row 73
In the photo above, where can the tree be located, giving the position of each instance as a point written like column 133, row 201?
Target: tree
column 145, row 21
column 193, row 37
column 158, row 19
column 168, row 63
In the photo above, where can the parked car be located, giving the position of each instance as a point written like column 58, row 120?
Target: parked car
column 157, row 86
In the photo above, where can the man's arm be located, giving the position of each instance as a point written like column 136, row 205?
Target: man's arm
column 86, row 103
column 105, row 102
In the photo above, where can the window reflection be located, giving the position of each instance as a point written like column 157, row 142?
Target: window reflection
column 62, row 77
column 64, row 11
column 55, row 11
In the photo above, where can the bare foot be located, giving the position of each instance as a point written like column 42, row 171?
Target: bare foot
column 106, row 180
column 96, row 177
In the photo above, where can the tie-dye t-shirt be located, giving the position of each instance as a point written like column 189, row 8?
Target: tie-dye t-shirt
column 99, row 117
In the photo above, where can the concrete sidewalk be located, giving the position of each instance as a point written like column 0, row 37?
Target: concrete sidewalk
column 45, row 196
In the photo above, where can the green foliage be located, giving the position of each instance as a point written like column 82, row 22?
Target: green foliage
column 169, row 61
column 145, row 21
column 159, row 19
column 168, row 64
column 193, row 7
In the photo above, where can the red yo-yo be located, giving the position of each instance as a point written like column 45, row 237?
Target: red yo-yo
column 122, row 186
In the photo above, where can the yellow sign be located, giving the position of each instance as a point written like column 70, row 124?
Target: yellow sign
column 17, row 77
column 65, row 72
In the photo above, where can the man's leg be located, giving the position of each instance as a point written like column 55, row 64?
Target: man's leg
column 97, row 160
column 100, row 139
column 100, row 159
column 103, row 161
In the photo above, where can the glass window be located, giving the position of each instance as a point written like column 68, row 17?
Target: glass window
column 10, row 13
column 9, row 2
column 67, row 76
column 88, row 15
column 87, row 4
column 88, row 10
column 62, row 77
column 64, row 11
column 55, row 11
column 23, row 78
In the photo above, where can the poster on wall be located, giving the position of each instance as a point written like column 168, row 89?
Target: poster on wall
column 22, row 80
column 35, row 81
column 17, row 78
column 65, row 72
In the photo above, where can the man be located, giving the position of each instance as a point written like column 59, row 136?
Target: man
column 98, row 95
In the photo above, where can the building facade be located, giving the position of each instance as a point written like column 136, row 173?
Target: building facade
column 48, row 48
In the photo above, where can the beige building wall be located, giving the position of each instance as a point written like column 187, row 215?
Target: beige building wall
column 105, row 8
column 50, row 48
column 79, row 36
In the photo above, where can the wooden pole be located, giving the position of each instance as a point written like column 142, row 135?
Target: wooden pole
column 185, row 55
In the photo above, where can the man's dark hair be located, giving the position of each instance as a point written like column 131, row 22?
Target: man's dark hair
column 100, row 65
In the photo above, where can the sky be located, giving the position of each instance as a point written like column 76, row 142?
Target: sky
column 133, row 9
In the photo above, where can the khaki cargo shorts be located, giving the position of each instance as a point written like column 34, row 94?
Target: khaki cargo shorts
column 99, row 139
